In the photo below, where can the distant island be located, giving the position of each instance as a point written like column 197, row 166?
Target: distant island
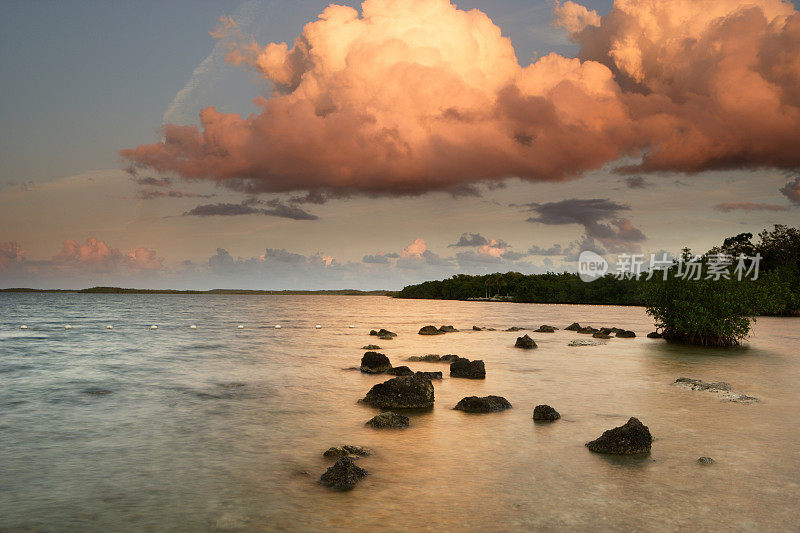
column 120, row 290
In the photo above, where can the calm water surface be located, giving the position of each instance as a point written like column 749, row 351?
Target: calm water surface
column 223, row 429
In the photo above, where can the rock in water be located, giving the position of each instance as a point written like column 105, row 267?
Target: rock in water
column 448, row 329
column 721, row 389
column 601, row 335
column 386, row 333
column 588, row 330
column 625, row 334
column 545, row 413
column 585, row 342
column 464, row 368
column 449, row 358
column 706, row 461
column 631, row 439
column 515, row 328
column 344, row 475
column 347, row 450
column 525, row 342
column 375, row 363
column 546, row 329
column 406, row 392
column 477, row 328
column 429, row 375
column 487, row 404
column 573, row 327
column 371, row 347
column 429, row 358
column 400, row 371
column 430, row 330
column 389, row 421
column 654, row 335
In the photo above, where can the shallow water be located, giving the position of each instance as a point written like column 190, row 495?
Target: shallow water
column 223, row 429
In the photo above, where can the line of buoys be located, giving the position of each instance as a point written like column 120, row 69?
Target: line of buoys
column 351, row 326
column 23, row 327
column 153, row 327
column 192, row 327
column 278, row 326
column 67, row 327
column 109, row 327
column 318, row 326
column 240, row 326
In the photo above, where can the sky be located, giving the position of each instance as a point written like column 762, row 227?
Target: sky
column 296, row 145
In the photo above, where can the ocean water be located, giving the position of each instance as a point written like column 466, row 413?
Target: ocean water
column 223, row 429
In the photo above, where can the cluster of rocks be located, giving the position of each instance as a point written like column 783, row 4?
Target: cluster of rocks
column 343, row 475
column 434, row 358
column 478, row 328
column 721, row 389
column 383, row 334
column 601, row 333
column 433, row 330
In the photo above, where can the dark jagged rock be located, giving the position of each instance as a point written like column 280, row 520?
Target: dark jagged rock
column 630, row 439
column 389, row 420
column 654, row 335
column 429, row 375
column 449, row 358
column 373, row 332
column 429, row 358
column 544, row 328
column 614, row 330
column 588, row 330
column 625, row 334
column 371, row 347
column 405, row 392
column 375, row 363
column 608, row 331
column 721, row 389
column 486, row 404
column 386, row 333
column 344, row 475
column 573, row 327
column 400, row 371
column 545, row 413
column 525, row 342
column 706, row 461
column 601, row 335
column 347, row 450
column 515, row 328
column 464, row 368
column 430, row 330
column 448, row 329
column 477, row 328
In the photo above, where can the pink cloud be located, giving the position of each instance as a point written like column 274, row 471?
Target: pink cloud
column 10, row 253
column 410, row 97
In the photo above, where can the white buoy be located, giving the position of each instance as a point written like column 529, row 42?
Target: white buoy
column 240, row 326
column 109, row 327
column 23, row 327
column 67, row 327
column 153, row 327
column 351, row 326
column 192, row 327
column 278, row 326
column 318, row 326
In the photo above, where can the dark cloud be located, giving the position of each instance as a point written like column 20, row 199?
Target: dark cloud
column 376, row 259
column 274, row 208
column 556, row 249
column 149, row 194
column 792, row 191
column 637, row 182
column 470, row 239
column 727, row 207
column 599, row 217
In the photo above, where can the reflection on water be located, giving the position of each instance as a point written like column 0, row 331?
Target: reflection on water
column 223, row 429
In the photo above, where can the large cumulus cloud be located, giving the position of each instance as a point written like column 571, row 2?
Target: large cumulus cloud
column 416, row 95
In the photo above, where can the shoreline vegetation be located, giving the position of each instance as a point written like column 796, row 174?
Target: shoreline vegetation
column 119, row 290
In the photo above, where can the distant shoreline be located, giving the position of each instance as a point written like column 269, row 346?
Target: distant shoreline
column 119, row 290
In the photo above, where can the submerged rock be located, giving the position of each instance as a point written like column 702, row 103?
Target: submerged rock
column 430, row 330
column 347, row 450
column 389, row 420
column 625, row 334
column 544, row 328
column 464, row 368
column 654, row 335
column 585, row 342
column 429, row 358
column 525, row 342
column 449, row 358
column 386, row 337
column 545, row 413
column 371, row 347
column 486, row 404
column 429, row 375
column 375, row 363
column 344, row 475
column 400, row 371
column 629, row 439
column 405, row 392
column 515, row 328
column 721, row 389
column 96, row 391
column 601, row 335
column 382, row 333
column 477, row 328
column 573, row 327
column 706, row 461
column 588, row 330
column 448, row 329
